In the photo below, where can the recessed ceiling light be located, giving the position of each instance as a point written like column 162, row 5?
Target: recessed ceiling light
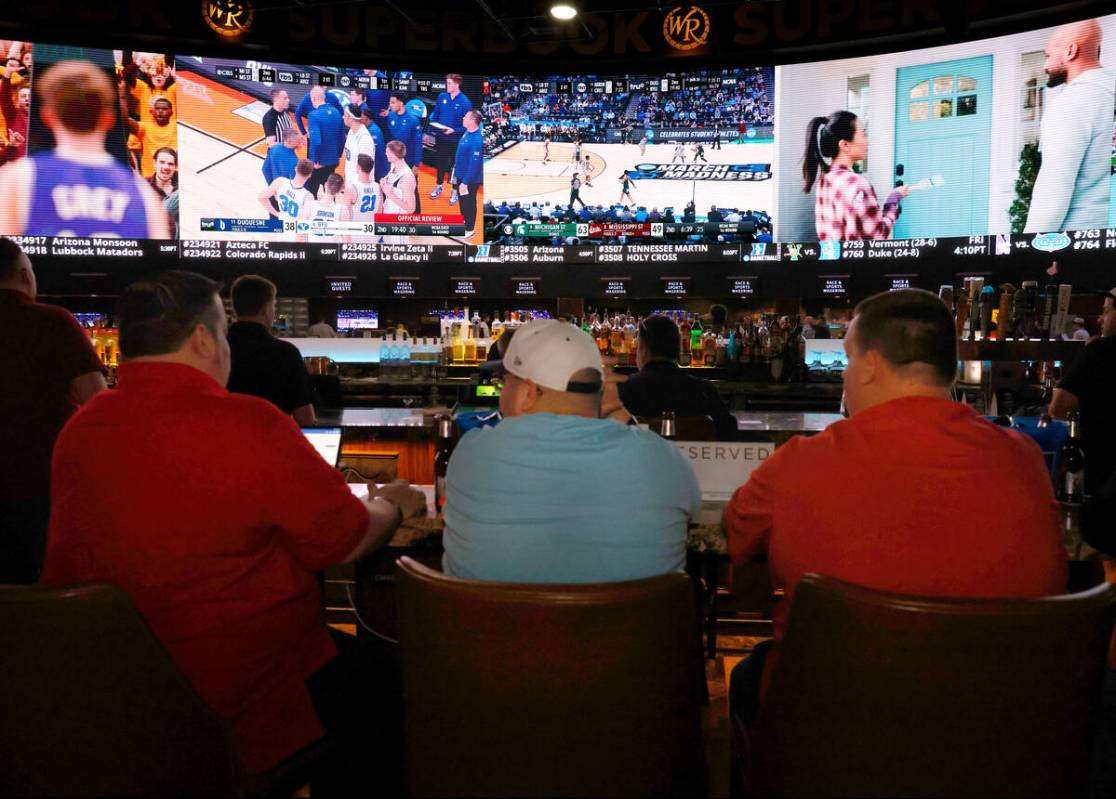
column 563, row 11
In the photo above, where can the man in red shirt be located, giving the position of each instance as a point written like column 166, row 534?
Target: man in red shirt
column 51, row 369
column 212, row 511
column 914, row 493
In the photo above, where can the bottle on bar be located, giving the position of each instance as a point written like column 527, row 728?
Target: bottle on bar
column 469, row 348
column 987, row 303
column 667, row 426
column 458, row 344
column 1003, row 316
column 976, row 286
column 696, row 343
column 961, row 319
column 1071, row 463
column 443, row 451
column 945, row 293
column 709, row 348
column 616, row 337
column 1049, row 304
column 684, row 335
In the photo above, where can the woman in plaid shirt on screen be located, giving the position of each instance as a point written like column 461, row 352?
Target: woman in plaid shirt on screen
column 847, row 208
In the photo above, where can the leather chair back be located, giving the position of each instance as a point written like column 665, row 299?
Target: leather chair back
column 93, row 705
column 549, row 690
column 885, row 694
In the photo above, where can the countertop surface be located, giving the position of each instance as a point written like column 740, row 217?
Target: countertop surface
column 751, row 421
column 784, row 421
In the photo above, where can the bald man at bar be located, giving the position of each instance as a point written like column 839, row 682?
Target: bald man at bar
column 1073, row 185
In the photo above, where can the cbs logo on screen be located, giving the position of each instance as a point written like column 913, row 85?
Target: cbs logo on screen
column 685, row 28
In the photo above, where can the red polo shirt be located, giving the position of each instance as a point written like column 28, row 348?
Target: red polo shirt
column 44, row 350
column 917, row 496
column 212, row 511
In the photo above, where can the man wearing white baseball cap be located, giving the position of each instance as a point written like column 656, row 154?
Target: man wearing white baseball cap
column 556, row 494
column 1089, row 387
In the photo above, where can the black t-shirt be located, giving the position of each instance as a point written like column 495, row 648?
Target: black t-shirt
column 266, row 367
column 1092, row 379
column 663, row 386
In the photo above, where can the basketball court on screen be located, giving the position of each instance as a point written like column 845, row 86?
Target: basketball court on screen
column 519, row 174
column 221, row 152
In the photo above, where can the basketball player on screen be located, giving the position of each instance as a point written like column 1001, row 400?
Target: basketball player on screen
column 362, row 195
column 586, row 169
column 643, row 146
column 397, row 187
column 626, row 189
column 324, row 211
column 291, row 196
column 679, row 153
column 546, row 148
column 78, row 188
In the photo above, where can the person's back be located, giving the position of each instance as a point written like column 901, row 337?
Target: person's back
column 858, row 500
column 263, row 365
column 51, row 369
column 662, row 385
column 556, row 499
column 914, row 493
column 212, row 512
column 555, row 494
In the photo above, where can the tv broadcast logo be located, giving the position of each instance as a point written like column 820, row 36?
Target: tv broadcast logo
column 686, row 28
column 1050, row 242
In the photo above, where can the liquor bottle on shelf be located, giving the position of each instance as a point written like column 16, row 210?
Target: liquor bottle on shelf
column 1071, row 463
column 961, row 319
column 945, row 293
column 1003, row 317
column 443, row 451
column 696, row 331
column 976, row 286
column 447, row 350
column 458, row 344
column 616, row 337
column 987, row 303
column 630, row 334
column 497, row 327
column 604, row 335
column 684, row 335
column 763, row 342
column 469, row 348
column 1049, row 302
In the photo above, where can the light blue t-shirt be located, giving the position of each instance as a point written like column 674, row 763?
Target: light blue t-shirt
column 544, row 498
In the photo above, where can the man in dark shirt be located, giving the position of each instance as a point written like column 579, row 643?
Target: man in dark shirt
column 262, row 365
column 1090, row 388
column 51, row 370
column 661, row 385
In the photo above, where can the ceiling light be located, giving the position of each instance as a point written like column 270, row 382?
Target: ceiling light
column 563, row 11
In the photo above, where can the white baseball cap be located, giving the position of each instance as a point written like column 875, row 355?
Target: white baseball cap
column 549, row 352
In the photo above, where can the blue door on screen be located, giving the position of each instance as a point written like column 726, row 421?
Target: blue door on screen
column 943, row 126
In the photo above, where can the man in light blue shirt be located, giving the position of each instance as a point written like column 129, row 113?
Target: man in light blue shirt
column 555, row 494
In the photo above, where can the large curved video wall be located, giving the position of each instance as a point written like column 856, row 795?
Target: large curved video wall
column 985, row 147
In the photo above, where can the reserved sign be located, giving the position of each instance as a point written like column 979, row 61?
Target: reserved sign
column 721, row 468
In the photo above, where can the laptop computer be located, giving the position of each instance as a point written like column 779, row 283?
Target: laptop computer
column 327, row 441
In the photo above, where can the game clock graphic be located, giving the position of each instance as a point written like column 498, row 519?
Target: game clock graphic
column 682, row 157
column 314, row 154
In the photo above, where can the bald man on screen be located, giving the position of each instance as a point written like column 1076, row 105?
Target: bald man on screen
column 1073, row 186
